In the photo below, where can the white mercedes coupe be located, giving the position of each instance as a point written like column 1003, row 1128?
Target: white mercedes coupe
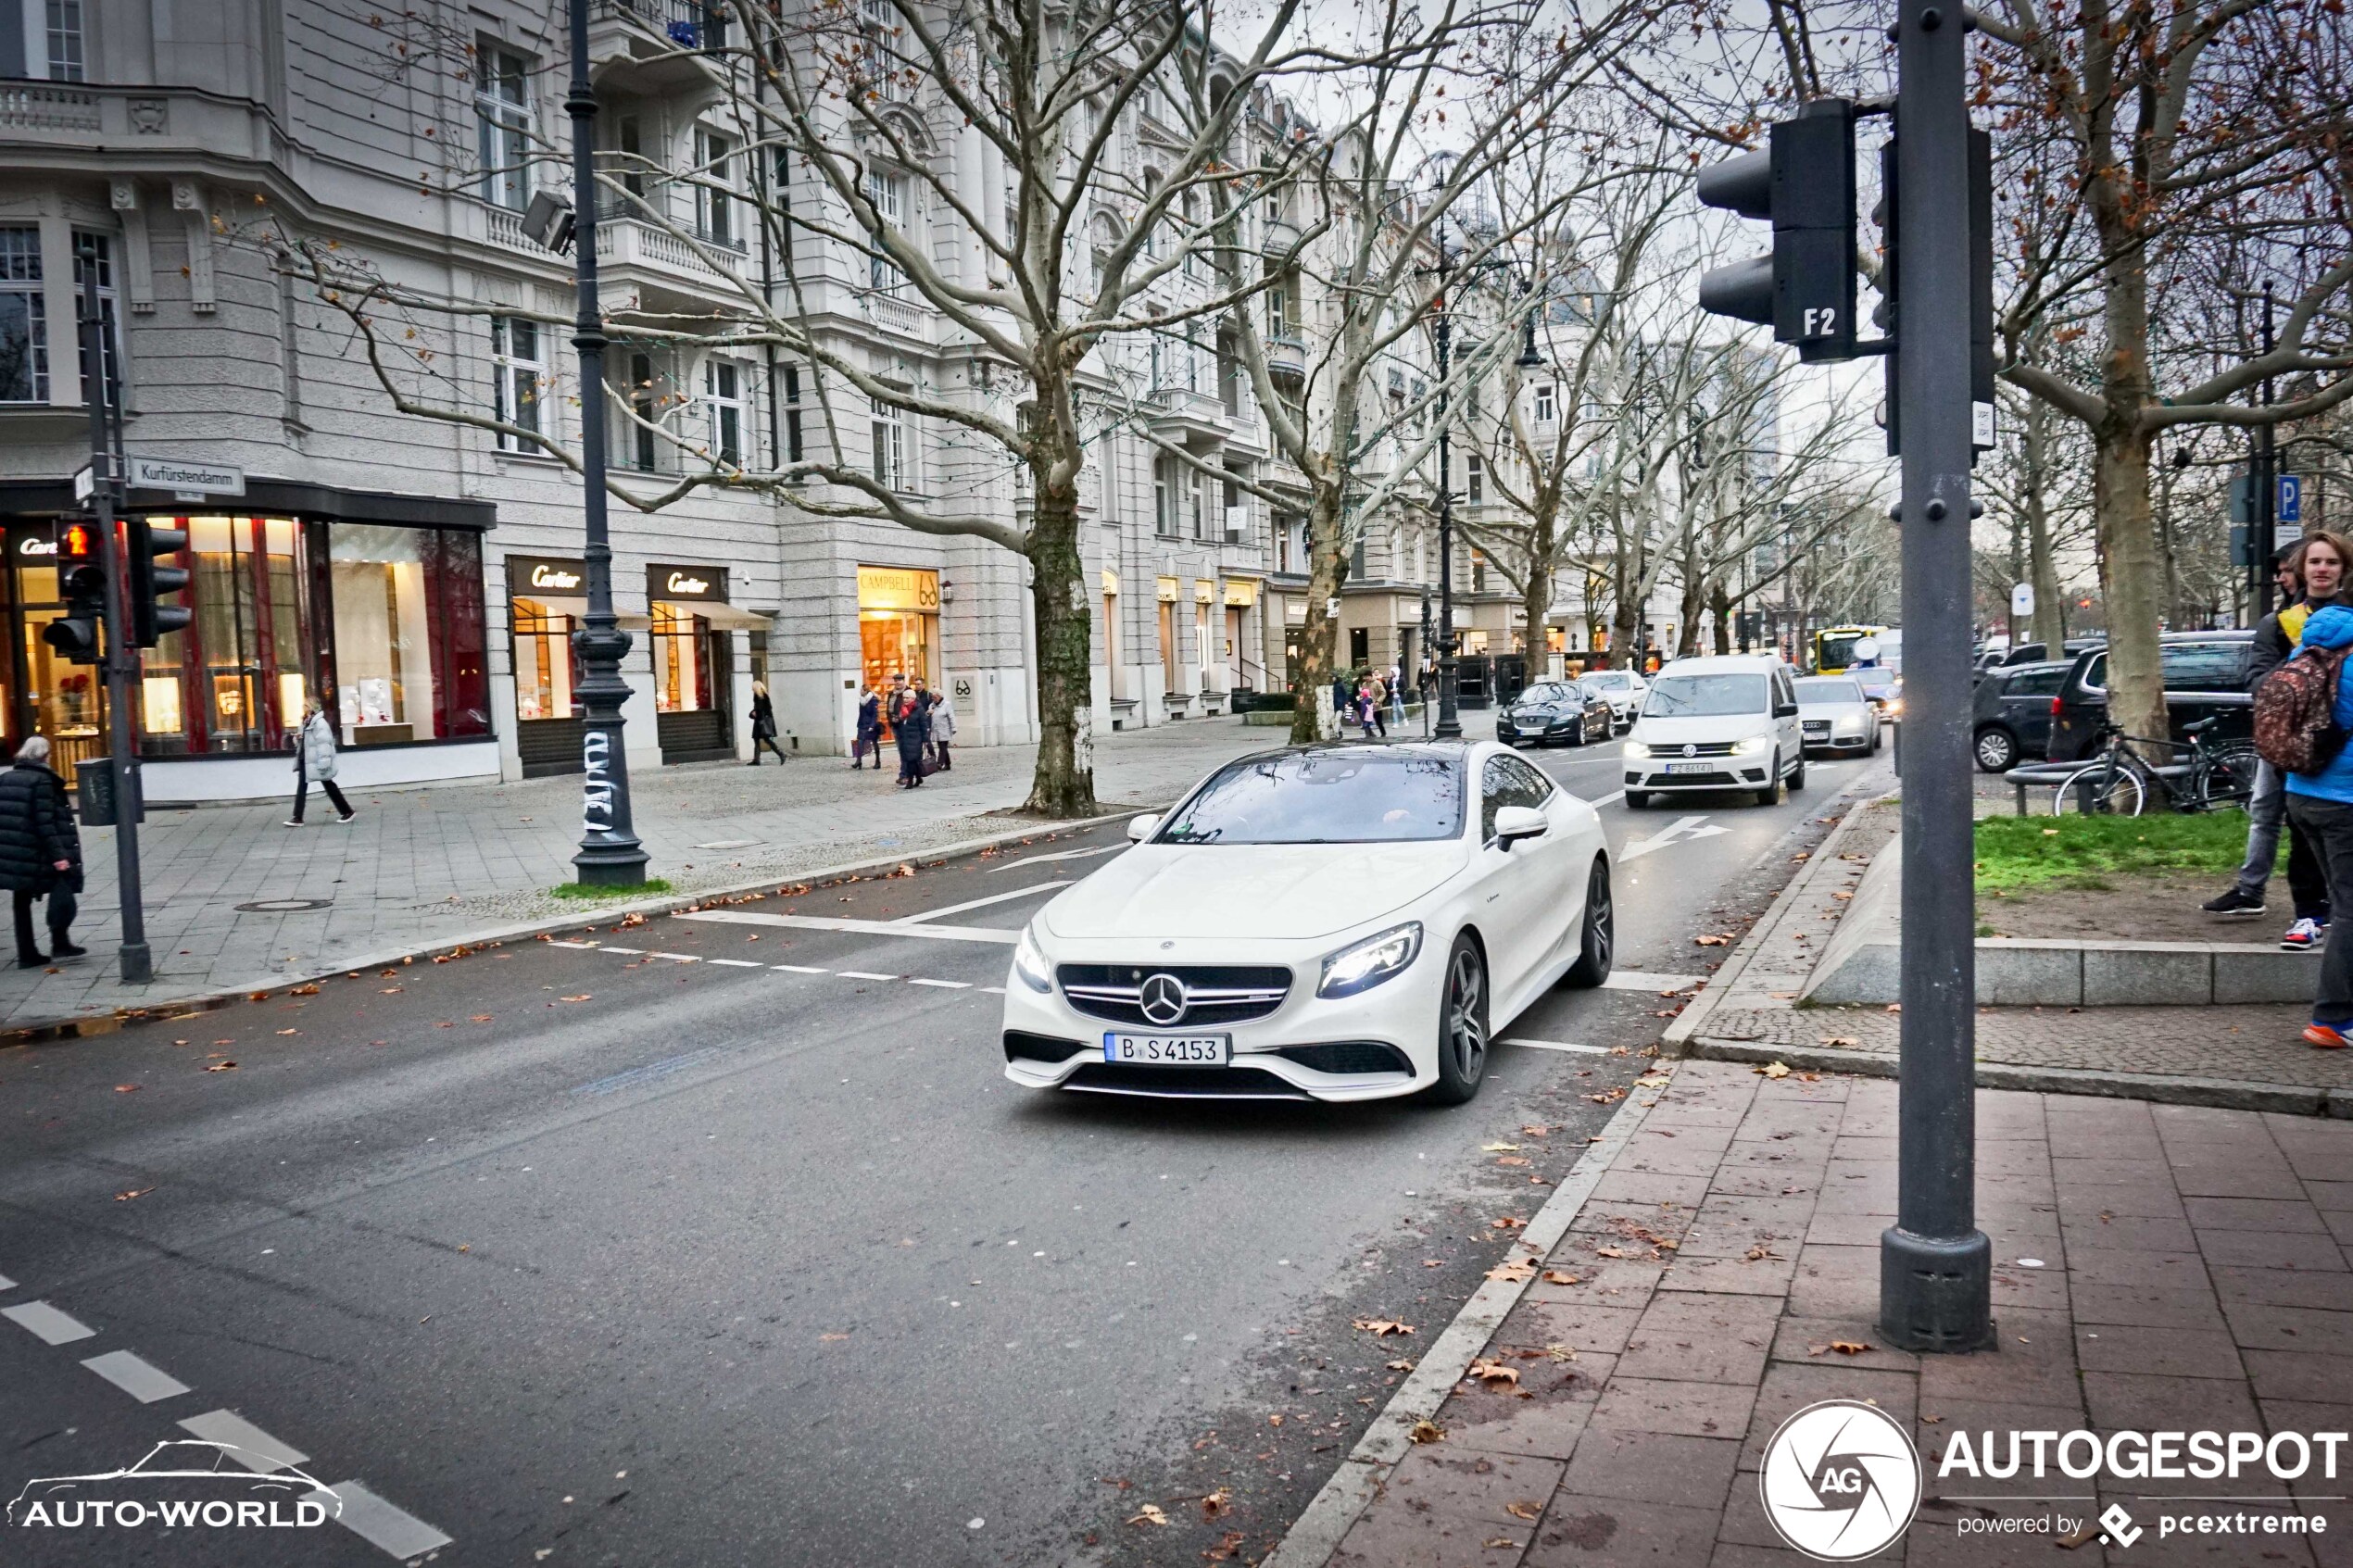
column 1334, row 923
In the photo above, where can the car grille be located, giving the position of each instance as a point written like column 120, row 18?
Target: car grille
column 1206, row 1083
column 1697, row 749
column 1215, row 994
column 1350, row 1056
column 1022, row 1047
column 1695, row 780
column 1817, row 726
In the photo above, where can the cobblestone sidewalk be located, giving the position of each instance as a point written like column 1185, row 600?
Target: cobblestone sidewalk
column 2156, row 1268
column 2213, row 1055
column 425, row 867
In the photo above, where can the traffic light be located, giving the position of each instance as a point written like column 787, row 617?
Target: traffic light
column 82, row 582
column 151, row 619
column 1803, row 180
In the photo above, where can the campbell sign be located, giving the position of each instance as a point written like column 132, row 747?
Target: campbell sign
column 674, row 584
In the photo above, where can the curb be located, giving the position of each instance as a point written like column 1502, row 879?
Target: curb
column 2220, row 1094
column 1685, row 1025
column 76, row 1024
column 1318, row 1532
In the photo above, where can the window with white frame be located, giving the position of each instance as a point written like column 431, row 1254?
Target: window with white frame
column 24, row 332
column 41, row 40
column 726, row 412
column 1474, row 479
column 1547, row 408
column 714, row 208
column 887, row 432
column 518, row 372
column 886, row 192
column 502, row 115
column 882, row 59
column 792, row 413
column 1197, row 500
column 93, row 273
column 643, row 443
column 1164, row 496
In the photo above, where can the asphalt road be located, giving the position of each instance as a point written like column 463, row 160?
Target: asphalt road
column 726, row 1242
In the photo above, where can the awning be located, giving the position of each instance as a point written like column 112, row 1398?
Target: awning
column 578, row 609
column 727, row 617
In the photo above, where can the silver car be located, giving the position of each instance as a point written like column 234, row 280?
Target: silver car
column 1835, row 715
column 1622, row 689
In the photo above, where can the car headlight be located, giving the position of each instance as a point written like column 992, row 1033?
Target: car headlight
column 1896, row 704
column 1754, row 746
column 1030, row 963
column 1636, row 751
column 1362, row 965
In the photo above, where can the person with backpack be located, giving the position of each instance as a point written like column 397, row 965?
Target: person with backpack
column 2303, row 712
column 2275, row 641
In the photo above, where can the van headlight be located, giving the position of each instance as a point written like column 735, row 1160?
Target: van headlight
column 1754, row 746
column 1363, row 965
column 1030, row 963
column 1636, row 751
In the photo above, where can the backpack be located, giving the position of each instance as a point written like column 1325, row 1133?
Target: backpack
column 2295, row 727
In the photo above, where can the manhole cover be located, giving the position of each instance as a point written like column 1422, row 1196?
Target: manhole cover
column 283, row 906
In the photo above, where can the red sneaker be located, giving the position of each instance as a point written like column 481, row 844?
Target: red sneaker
column 2326, row 1037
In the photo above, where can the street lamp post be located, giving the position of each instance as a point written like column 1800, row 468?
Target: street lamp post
column 609, row 854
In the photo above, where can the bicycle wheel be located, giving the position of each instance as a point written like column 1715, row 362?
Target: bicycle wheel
column 2229, row 778
column 2101, row 790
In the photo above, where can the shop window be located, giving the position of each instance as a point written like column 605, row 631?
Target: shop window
column 547, row 670
column 94, row 272
column 383, row 638
column 682, row 672
column 502, row 113
column 724, row 409
column 516, row 371
column 24, row 334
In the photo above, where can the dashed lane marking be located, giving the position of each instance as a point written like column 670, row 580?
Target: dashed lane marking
column 943, row 984
column 982, row 903
column 1561, row 1046
column 633, row 952
column 142, row 1380
column 248, row 1444
column 48, row 1324
column 1646, row 980
column 675, row 957
column 737, row 963
column 800, row 969
column 584, row 946
column 865, row 927
column 862, row 975
column 389, row 1529
column 6, row 1284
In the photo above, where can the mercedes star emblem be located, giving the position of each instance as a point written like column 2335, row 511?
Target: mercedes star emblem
column 1162, row 998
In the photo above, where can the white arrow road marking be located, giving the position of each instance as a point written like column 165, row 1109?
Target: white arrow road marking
column 981, row 903
column 1680, row 829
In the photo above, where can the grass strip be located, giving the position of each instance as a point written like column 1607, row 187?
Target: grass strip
column 2072, row 852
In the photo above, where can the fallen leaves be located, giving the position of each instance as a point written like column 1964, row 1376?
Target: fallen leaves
column 1554, row 1276
column 1508, row 1222
column 1560, row 1352
column 482, row 1017
column 1426, row 1431
column 310, row 990
column 829, row 1338
column 1494, row 1374
column 220, row 1067
column 1713, row 939
column 1759, row 1254
column 1844, row 1346
column 1401, row 1365
column 132, row 1193
column 1524, row 1510
column 289, row 1031
column 1607, row 1096
column 1841, row 1042
column 389, row 991
column 903, row 871
column 1513, row 1273
column 1383, row 1328
column 1149, row 1515
column 1510, row 1159
column 584, row 996
column 1773, row 1069
column 126, row 1088
column 1499, row 1148
column 1226, row 1550
column 1609, row 1251
column 1502, row 1543
column 1652, row 1081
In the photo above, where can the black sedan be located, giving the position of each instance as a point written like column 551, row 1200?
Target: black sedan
column 1554, row 713
column 2012, row 718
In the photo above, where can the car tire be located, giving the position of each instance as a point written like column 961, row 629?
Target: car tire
column 1772, row 794
column 1996, row 749
column 1797, row 776
column 1877, row 735
column 1597, row 932
column 1636, row 800
column 1463, row 1042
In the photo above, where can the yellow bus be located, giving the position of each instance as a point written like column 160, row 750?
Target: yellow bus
column 1834, row 646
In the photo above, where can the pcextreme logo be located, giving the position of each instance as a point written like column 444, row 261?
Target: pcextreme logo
column 187, row 1484
column 1841, row 1480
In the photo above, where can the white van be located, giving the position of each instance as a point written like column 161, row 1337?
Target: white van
column 1724, row 722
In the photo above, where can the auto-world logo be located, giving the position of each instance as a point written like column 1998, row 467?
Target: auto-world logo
column 1841, row 1480
column 181, row 1484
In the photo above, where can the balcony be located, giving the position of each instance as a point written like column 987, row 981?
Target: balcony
column 894, row 314
column 72, row 116
column 662, row 44
column 1197, row 418
column 1287, row 358
column 635, row 250
column 1277, row 237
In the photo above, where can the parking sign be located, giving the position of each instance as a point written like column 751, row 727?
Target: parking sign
column 2291, row 497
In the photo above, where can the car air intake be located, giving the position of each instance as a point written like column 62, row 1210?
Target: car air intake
column 1021, row 1047
column 1197, row 1082
column 1350, row 1056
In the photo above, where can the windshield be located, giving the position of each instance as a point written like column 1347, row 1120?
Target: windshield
column 1693, row 697
column 1605, row 680
column 1838, row 652
column 1545, row 690
column 1821, row 691
column 1354, row 797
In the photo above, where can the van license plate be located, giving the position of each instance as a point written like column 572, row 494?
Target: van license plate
column 1692, row 767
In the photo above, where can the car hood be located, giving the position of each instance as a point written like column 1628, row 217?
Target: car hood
column 1262, row 892
column 1721, row 726
column 1833, row 711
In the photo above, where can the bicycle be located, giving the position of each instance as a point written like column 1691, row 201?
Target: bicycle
column 2122, row 782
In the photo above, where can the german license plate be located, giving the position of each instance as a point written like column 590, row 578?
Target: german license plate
column 1692, row 767
column 1169, row 1050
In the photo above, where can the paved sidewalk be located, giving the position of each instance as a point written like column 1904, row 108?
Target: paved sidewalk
column 1726, row 1275
column 426, row 866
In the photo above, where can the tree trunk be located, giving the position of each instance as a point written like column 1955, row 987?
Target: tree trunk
column 2049, row 620
column 2132, row 577
column 1064, row 782
column 1535, row 599
column 1312, row 718
column 1719, row 610
column 1694, row 610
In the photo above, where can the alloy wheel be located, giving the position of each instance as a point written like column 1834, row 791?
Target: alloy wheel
column 1465, row 1017
column 1600, row 923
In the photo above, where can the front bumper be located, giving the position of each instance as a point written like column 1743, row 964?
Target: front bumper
column 1728, row 773
column 1399, row 1014
column 1509, row 730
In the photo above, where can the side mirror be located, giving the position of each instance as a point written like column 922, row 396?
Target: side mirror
column 1515, row 822
column 1784, row 710
column 1140, row 828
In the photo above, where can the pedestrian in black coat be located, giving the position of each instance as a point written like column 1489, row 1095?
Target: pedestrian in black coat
column 911, row 725
column 764, row 723
column 40, row 851
column 870, row 729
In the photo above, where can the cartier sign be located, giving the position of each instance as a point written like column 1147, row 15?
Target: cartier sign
column 684, row 583
column 542, row 576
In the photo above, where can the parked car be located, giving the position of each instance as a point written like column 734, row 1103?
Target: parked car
column 1556, row 713
column 2012, row 722
column 1728, row 721
column 2035, row 652
column 1625, row 690
column 1832, row 715
column 1883, row 688
column 2205, row 674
